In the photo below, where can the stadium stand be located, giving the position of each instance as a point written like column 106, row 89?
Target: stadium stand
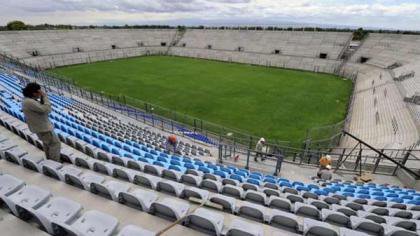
column 151, row 181
column 313, row 51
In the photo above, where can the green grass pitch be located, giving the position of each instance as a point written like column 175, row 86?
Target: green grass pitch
column 270, row 102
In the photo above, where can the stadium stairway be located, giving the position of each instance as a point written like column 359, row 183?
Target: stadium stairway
column 292, row 219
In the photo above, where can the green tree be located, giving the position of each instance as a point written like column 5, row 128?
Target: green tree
column 16, row 25
column 359, row 34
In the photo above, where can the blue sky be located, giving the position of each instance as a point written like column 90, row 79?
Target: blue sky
column 395, row 14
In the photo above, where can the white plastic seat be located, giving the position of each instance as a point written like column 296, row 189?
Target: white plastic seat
column 211, row 185
column 317, row 228
column 153, row 169
column 253, row 211
column 191, row 179
column 228, row 203
column 284, row 220
column 171, row 175
column 233, row 191
column 334, row 217
column 102, row 167
column 84, row 180
column 9, row 184
column 206, row 221
column 170, row 208
column 68, row 170
column 131, row 230
column 5, row 146
column 110, row 189
column 254, row 196
column 247, row 186
column 366, row 225
column 271, row 192
column 146, row 180
column 133, row 164
column 32, row 162
column 138, row 198
column 195, row 192
column 124, row 173
column 92, row 223
column 15, row 155
column 280, row 203
column 28, row 198
column 85, row 162
column 349, row 232
column 171, row 187
column 391, row 230
column 243, row 228
column 400, row 213
column 58, row 210
column 377, row 210
column 318, row 204
column 371, row 216
column 352, row 205
column 402, row 223
column 306, row 210
column 50, row 168
column 294, row 198
column 233, row 182
column 345, row 210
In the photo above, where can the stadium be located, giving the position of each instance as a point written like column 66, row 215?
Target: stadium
column 254, row 112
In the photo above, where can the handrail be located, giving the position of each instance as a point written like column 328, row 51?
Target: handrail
column 382, row 154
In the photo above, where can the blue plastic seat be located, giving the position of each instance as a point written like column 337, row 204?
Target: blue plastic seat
column 257, row 173
column 162, row 164
column 149, row 156
column 363, row 196
column 347, row 194
column 144, row 160
column 137, row 152
column 363, row 191
column 116, row 151
column 199, row 163
column 190, row 166
column 349, row 190
column 377, row 194
column 302, row 188
column 298, row 183
column 211, row 166
column 105, row 147
column 162, row 159
column 320, row 192
column 396, row 199
column 380, row 198
column 241, row 173
column 237, row 177
column 414, row 202
column 392, row 195
column 127, row 148
column 220, row 173
column 269, row 180
column 312, row 186
column 285, row 184
column 175, row 162
column 177, row 168
column 253, row 181
column 205, row 169
column 253, row 176
column 227, row 170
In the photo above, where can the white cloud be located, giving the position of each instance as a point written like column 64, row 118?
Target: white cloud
column 375, row 13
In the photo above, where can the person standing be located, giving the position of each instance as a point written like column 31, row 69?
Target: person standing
column 171, row 144
column 259, row 150
column 36, row 107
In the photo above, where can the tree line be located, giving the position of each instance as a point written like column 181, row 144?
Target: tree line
column 358, row 34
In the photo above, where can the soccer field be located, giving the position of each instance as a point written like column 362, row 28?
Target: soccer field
column 269, row 102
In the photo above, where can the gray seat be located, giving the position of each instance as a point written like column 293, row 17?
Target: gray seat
column 306, row 210
column 334, row 217
column 252, row 211
column 280, row 203
column 124, row 173
column 366, row 225
column 153, row 169
column 243, row 228
column 28, row 198
column 59, row 211
column 254, row 196
column 233, row 191
column 318, row 204
column 294, row 198
column 400, row 213
column 169, row 208
column 228, row 203
column 93, row 223
column 284, row 220
column 110, row 189
column 377, row 210
column 138, row 198
column 171, row 187
column 205, row 221
column 271, row 192
column 316, row 228
column 233, row 182
column 248, row 186
column 135, row 165
column 131, row 230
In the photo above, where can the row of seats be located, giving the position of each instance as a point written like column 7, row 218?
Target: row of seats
column 218, row 172
column 299, row 208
